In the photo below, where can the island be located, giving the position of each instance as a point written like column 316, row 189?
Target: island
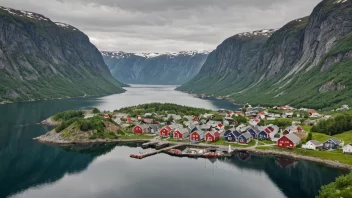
column 302, row 134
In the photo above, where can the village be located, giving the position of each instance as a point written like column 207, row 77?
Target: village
column 249, row 127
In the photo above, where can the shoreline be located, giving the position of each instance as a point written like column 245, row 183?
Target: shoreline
column 64, row 98
column 206, row 96
column 328, row 163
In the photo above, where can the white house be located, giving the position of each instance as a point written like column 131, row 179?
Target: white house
column 347, row 149
column 312, row 145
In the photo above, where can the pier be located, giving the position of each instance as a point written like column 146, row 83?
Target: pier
column 191, row 151
column 164, row 147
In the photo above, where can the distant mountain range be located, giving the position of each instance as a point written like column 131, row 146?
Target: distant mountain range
column 307, row 62
column 41, row 59
column 155, row 68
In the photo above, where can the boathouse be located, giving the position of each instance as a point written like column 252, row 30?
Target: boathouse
column 289, row 141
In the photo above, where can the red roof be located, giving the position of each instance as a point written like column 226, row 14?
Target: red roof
column 312, row 111
column 299, row 128
column 168, row 128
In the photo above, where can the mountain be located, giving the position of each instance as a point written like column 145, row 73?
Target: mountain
column 41, row 59
column 308, row 62
column 155, row 68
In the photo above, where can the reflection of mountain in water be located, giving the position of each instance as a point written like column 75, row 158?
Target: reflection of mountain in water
column 95, row 150
column 294, row 178
column 25, row 163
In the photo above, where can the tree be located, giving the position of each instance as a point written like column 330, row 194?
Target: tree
column 283, row 122
column 218, row 118
column 309, row 137
column 95, row 111
column 261, row 123
column 342, row 187
column 241, row 119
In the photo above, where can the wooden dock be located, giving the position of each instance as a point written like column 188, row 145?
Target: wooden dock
column 165, row 148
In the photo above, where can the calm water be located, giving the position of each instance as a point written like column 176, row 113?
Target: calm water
column 30, row 169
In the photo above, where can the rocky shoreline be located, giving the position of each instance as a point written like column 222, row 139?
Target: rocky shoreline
column 205, row 96
column 53, row 138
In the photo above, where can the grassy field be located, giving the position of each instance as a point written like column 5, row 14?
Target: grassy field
column 321, row 137
column 173, row 140
column 336, row 155
column 134, row 136
column 223, row 142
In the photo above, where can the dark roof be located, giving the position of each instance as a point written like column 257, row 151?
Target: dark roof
column 335, row 140
column 246, row 135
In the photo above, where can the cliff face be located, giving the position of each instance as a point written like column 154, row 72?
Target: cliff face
column 165, row 69
column 40, row 59
column 305, row 63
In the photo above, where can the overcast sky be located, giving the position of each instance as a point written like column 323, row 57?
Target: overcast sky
column 166, row 25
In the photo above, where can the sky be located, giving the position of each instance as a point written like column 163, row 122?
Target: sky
column 166, row 25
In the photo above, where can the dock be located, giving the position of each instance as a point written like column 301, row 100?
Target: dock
column 175, row 150
column 149, row 145
column 164, row 147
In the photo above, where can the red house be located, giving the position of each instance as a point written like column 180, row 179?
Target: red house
column 128, row 120
column 196, row 136
column 137, row 130
column 165, row 132
column 180, row 134
column 106, row 116
column 212, row 136
column 289, row 141
column 312, row 111
column 195, row 118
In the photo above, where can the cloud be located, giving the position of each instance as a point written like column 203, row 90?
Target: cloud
column 166, row 25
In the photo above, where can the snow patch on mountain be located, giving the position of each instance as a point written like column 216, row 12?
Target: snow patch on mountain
column 266, row 32
column 22, row 13
column 340, row 1
column 153, row 55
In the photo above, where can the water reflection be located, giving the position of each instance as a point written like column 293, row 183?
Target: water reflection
column 31, row 169
column 294, row 178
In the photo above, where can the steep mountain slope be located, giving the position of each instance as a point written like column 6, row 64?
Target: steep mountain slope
column 40, row 59
column 305, row 63
column 144, row 68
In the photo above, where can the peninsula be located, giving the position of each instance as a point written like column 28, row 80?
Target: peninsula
column 280, row 131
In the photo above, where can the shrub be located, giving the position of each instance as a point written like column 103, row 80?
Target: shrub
column 67, row 115
column 65, row 124
column 95, row 111
column 342, row 187
column 309, row 137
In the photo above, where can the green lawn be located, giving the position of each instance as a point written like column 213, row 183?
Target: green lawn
column 266, row 142
column 224, row 143
column 346, row 137
column 336, row 155
column 307, row 128
column 173, row 140
column 328, row 155
column 321, row 137
column 134, row 136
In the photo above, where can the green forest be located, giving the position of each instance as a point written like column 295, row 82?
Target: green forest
column 332, row 126
column 162, row 109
